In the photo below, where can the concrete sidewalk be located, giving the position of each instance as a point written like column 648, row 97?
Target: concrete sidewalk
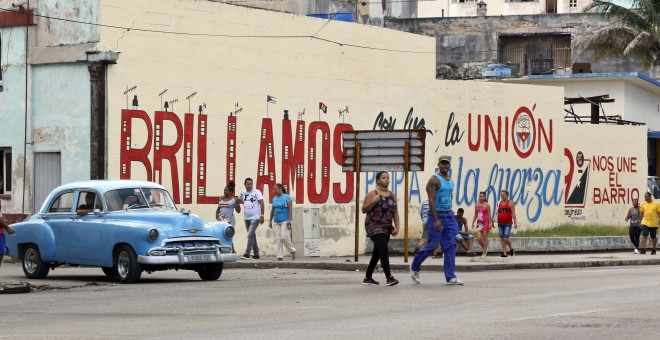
column 464, row 263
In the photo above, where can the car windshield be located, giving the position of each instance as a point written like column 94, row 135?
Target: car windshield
column 138, row 198
column 654, row 187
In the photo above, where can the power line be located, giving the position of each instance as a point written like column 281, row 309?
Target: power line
column 223, row 35
column 128, row 29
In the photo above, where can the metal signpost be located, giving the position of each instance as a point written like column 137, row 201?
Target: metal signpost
column 392, row 150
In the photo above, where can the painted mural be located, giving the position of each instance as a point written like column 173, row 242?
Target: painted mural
column 274, row 110
column 518, row 152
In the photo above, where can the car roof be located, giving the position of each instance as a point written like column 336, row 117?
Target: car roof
column 106, row 185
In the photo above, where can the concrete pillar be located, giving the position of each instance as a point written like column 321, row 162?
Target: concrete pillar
column 97, row 66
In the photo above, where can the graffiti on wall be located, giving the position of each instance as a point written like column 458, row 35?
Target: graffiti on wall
column 303, row 154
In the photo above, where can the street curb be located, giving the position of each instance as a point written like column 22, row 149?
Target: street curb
column 357, row 266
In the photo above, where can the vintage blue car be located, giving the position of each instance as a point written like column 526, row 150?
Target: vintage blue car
column 124, row 227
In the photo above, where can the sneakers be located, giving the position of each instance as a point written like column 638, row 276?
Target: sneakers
column 454, row 282
column 414, row 275
column 643, row 251
column 512, row 252
column 391, row 281
column 653, row 252
column 370, row 282
column 256, row 257
column 245, row 257
column 636, row 251
column 503, row 256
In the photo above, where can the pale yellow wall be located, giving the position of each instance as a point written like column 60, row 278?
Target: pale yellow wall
column 301, row 72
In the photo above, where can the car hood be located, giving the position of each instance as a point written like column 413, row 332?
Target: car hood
column 173, row 223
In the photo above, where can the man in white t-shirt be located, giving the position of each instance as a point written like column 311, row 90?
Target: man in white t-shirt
column 253, row 205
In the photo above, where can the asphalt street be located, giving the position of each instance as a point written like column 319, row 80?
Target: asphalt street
column 293, row 303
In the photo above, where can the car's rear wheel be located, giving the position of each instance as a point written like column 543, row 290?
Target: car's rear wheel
column 210, row 272
column 33, row 266
column 128, row 269
column 109, row 271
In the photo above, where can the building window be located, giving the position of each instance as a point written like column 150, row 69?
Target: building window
column 540, row 54
column 5, row 174
column 572, row 3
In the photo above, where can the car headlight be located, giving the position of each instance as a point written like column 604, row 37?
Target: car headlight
column 229, row 232
column 152, row 235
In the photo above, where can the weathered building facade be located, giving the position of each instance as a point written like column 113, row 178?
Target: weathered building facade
column 47, row 132
column 523, row 44
column 198, row 98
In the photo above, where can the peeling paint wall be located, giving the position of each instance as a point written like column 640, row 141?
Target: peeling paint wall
column 58, row 96
column 54, row 32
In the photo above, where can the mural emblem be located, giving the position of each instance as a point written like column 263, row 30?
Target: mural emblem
column 524, row 131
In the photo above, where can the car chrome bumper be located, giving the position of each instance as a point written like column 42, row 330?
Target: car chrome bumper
column 190, row 255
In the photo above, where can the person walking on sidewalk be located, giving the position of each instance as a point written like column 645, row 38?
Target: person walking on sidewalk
column 226, row 207
column 506, row 219
column 440, row 224
column 635, row 229
column 282, row 213
column 424, row 212
column 382, row 220
column 253, row 202
column 482, row 214
column 651, row 213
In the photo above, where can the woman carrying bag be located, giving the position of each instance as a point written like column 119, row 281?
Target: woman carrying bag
column 281, row 212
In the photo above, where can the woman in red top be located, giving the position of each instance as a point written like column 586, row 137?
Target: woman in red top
column 506, row 218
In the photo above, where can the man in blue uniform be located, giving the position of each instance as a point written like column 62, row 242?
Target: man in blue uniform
column 440, row 223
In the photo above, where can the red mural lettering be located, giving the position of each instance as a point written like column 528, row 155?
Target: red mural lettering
column 295, row 152
column 231, row 149
column 532, row 130
column 313, row 154
column 497, row 138
column 189, row 121
column 474, row 146
column 337, row 194
column 266, row 171
column 293, row 159
column 526, row 132
column 547, row 138
column 202, row 163
column 127, row 154
column 167, row 152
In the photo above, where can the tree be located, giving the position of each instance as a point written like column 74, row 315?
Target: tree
column 634, row 34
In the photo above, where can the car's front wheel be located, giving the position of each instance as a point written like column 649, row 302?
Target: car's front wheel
column 210, row 272
column 128, row 269
column 109, row 271
column 33, row 266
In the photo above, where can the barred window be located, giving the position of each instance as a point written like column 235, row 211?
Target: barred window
column 5, row 172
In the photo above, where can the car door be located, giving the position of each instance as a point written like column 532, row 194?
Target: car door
column 86, row 228
column 58, row 218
